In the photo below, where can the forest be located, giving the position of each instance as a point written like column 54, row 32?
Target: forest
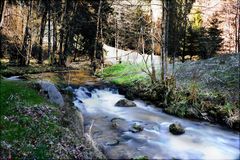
column 119, row 79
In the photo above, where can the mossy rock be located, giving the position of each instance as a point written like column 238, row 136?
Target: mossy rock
column 176, row 129
column 125, row 103
column 136, row 128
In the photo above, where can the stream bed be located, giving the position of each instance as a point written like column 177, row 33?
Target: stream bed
column 111, row 130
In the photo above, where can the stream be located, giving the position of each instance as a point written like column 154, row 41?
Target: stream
column 201, row 140
column 111, row 128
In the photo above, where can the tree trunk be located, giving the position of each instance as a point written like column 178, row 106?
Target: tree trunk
column 102, row 56
column 2, row 13
column 163, row 41
column 96, row 38
column 49, row 34
column 68, row 44
column 152, row 55
column 42, row 30
column 62, row 30
column 54, row 38
column 166, row 36
column 184, row 31
column 116, row 39
column 238, row 27
column 25, row 53
column 143, row 42
column 97, row 29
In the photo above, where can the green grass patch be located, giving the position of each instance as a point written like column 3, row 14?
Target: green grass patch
column 124, row 73
column 27, row 122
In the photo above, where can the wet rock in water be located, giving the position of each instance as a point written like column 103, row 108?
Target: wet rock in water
column 142, row 158
column 120, row 124
column 176, row 129
column 125, row 103
column 136, row 128
column 112, row 142
column 52, row 92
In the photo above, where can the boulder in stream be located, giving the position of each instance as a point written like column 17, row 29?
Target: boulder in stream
column 136, row 128
column 52, row 92
column 112, row 142
column 176, row 129
column 125, row 103
column 120, row 124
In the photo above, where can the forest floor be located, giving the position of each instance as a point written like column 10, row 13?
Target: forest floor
column 206, row 89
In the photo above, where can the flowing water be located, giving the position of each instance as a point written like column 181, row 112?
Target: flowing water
column 201, row 140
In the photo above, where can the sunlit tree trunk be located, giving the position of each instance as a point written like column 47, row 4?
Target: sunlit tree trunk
column 2, row 12
column 116, row 39
column 143, row 41
column 152, row 56
column 166, row 34
column 3, row 8
column 238, row 27
column 153, row 74
column 163, row 23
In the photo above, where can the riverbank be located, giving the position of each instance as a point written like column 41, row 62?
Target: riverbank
column 195, row 101
column 34, row 128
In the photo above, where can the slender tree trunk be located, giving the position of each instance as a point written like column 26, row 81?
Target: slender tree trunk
column 1, row 45
column 97, row 35
column 54, row 38
column 49, row 34
column 2, row 13
column 166, row 36
column 143, row 43
column 152, row 55
column 3, row 8
column 102, row 56
column 184, row 30
column 163, row 41
column 238, row 27
column 42, row 30
column 116, row 39
column 25, row 53
column 62, row 30
column 69, row 33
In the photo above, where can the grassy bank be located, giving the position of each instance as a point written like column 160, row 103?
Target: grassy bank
column 32, row 128
column 124, row 74
column 188, row 100
column 28, row 124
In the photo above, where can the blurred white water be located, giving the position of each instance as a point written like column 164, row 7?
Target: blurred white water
column 200, row 141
